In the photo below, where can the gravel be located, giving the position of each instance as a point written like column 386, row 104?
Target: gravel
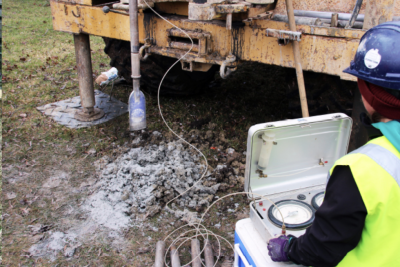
column 143, row 179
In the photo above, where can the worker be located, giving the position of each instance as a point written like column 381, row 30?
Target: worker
column 358, row 223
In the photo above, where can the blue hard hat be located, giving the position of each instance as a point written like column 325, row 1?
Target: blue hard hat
column 377, row 59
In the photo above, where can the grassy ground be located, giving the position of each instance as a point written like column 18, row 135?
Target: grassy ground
column 39, row 68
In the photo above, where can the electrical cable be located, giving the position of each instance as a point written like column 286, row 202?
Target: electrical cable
column 159, row 106
column 197, row 229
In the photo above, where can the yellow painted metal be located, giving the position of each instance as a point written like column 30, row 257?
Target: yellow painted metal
column 325, row 50
column 175, row 8
column 80, row 2
column 84, row 2
column 343, row 6
column 377, row 12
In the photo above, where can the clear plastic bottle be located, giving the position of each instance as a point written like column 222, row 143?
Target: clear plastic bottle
column 137, row 109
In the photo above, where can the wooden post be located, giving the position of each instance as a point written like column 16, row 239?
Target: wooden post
column 378, row 12
column 160, row 250
column 208, row 254
column 297, row 60
column 196, row 261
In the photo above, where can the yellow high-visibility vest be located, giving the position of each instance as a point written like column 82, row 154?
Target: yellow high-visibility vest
column 376, row 171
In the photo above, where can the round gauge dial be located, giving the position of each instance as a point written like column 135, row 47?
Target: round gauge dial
column 317, row 200
column 296, row 214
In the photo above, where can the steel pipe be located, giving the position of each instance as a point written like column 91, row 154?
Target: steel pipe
column 85, row 78
column 84, row 67
column 299, row 20
column 317, row 21
column 137, row 101
column 325, row 15
column 354, row 15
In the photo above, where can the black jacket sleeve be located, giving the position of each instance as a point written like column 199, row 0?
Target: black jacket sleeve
column 337, row 226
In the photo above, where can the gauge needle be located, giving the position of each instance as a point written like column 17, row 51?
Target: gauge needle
column 290, row 214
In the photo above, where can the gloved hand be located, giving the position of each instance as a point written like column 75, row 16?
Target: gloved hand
column 277, row 248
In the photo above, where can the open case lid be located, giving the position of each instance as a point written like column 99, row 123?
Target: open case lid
column 294, row 154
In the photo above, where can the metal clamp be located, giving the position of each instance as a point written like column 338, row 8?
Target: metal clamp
column 225, row 71
column 283, row 36
column 143, row 55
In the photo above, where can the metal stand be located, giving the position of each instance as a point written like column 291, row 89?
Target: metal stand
column 85, row 77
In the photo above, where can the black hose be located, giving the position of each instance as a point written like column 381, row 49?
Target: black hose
column 354, row 14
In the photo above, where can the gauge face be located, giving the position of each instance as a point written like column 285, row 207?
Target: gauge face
column 296, row 214
column 317, row 200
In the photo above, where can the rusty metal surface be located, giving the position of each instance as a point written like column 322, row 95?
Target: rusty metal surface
column 64, row 111
column 202, row 38
column 192, row 34
column 260, row 1
column 184, row 46
column 378, row 12
column 344, row 6
column 176, row 8
column 232, row 8
column 326, row 50
column 287, row 35
column 202, row 11
column 86, row 115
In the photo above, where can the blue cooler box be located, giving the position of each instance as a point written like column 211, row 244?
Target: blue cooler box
column 250, row 249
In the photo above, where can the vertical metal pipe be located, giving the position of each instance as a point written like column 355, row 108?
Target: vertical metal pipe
column 133, row 18
column 335, row 20
column 84, row 66
column 137, row 101
column 297, row 61
column 229, row 21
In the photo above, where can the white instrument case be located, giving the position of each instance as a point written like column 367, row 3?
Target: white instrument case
column 296, row 158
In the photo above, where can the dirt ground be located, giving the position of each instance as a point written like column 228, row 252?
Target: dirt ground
column 49, row 172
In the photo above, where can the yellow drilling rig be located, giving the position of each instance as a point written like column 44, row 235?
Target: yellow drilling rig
column 314, row 35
